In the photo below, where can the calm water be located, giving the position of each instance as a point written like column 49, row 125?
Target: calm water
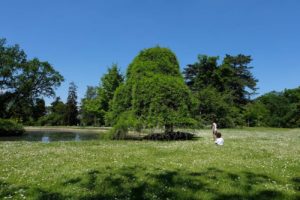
column 51, row 136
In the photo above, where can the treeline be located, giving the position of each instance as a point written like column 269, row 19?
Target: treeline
column 275, row 109
column 152, row 93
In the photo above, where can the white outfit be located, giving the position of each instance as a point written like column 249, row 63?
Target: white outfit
column 214, row 128
column 219, row 141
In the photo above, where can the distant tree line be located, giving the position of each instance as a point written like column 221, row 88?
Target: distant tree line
column 153, row 93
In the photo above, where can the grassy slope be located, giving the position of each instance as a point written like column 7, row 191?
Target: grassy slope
column 254, row 163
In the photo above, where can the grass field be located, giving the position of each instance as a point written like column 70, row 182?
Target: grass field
column 258, row 163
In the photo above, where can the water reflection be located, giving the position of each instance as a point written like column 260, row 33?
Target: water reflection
column 51, row 136
column 77, row 137
column 45, row 139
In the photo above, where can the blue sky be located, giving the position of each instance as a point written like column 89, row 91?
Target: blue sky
column 82, row 38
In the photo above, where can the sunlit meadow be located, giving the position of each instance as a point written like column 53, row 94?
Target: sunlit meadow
column 258, row 163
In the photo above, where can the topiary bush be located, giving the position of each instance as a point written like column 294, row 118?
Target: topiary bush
column 10, row 128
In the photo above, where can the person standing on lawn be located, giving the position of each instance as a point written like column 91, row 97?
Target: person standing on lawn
column 214, row 130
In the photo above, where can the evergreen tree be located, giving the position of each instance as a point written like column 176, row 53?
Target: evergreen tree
column 221, row 90
column 202, row 73
column 235, row 77
column 71, row 117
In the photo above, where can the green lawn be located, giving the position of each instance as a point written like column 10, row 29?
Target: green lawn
column 258, row 163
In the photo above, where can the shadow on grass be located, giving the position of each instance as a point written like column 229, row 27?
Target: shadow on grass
column 9, row 190
column 141, row 183
column 47, row 195
column 296, row 181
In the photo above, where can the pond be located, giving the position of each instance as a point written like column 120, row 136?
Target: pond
column 53, row 136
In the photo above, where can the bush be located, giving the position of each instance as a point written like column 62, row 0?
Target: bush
column 126, row 122
column 119, row 131
column 52, row 119
column 10, row 128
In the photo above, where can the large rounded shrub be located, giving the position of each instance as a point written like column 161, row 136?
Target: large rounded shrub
column 10, row 128
column 154, row 92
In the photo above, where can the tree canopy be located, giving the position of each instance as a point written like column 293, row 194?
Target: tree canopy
column 95, row 104
column 222, row 90
column 154, row 92
column 283, row 108
column 22, row 81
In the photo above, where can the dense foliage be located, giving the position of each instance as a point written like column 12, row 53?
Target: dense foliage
column 60, row 113
column 10, row 128
column 95, row 104
column 56, row 114
column 23, row 82
column 219, row 92
column 90, row 113
column 278, row 109
column 222, row 90
column 154, row 93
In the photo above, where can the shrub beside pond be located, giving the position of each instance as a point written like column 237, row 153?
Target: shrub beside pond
column 10, row 128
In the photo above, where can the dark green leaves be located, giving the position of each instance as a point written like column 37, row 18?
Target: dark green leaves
column 22, row 81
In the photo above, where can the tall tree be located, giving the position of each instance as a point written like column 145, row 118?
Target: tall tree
column 11, row 60
column 202, row 73
column 22, row 81
column 236, row 77
column 71, row 117
column 228, row 86
column 154, row 93
column 109, row 83
column 95, row 104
